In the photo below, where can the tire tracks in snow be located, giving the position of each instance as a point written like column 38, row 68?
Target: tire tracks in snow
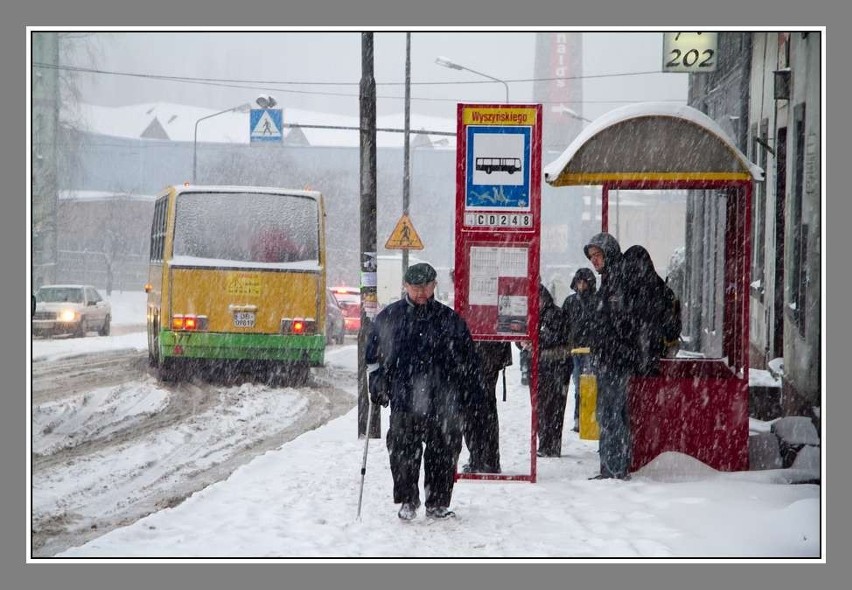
column 202, row 453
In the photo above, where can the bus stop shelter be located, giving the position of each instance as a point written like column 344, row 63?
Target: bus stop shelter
column 696, row 406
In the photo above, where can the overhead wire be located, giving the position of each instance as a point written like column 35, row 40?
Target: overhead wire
column 276, row 85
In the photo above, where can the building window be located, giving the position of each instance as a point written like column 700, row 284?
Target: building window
column 798, row 276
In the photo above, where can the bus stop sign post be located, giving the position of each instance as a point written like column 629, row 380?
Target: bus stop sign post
column 498, row 228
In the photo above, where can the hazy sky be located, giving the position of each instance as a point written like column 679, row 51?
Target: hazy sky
column 236, row 66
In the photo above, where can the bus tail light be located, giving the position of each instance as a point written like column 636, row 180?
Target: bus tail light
column 189, row 322
column 298, row 326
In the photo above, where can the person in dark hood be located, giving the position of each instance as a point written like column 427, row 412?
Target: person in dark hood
column 614, row 355
column 655, row 309
column 482, row 431
column 421, row 360
column 579, row 308
column 554, row 369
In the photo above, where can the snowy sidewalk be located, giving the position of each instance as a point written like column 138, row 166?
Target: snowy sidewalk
column 301, row 501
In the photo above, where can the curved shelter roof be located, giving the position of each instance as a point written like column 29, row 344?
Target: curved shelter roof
column 651, row 141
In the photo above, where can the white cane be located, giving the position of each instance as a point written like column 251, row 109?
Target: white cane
column 364, row 460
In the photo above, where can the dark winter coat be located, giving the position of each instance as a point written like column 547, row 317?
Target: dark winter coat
column 554, row 370
column 493, row 355
column 655, row 309
column 427, row 359
column 580, row 309
column 554, row 357
column 613, row 342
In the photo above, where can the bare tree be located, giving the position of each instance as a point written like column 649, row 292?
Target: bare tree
column 55, row 115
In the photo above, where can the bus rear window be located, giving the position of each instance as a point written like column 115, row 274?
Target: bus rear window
column 246, row 227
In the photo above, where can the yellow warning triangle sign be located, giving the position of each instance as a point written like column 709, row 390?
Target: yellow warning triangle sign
column 404, row 236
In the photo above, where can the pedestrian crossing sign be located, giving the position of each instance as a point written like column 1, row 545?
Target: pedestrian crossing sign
column 266, row 125
column 404, row 236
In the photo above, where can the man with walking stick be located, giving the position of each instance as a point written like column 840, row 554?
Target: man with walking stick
column 421, row 360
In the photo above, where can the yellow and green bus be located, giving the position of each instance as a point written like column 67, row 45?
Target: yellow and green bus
column 237, row 279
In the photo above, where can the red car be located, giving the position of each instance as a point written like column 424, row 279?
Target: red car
column 349, row 299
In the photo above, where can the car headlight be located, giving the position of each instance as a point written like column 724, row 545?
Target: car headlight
column 67, row 315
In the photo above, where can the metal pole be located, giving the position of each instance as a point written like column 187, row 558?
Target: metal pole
column 406, row 174
column 618, row 215
column 195, row 150
column 442, row 61
column 503, row 82
column 368, row 232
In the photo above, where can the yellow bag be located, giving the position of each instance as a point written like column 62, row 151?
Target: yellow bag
column 589, row 429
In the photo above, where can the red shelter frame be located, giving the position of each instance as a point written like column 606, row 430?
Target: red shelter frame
column 696, row 406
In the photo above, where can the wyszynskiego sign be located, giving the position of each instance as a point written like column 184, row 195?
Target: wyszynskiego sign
column 498, row 166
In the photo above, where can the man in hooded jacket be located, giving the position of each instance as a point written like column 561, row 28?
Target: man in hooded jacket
column 421, row 359
column 655, row 309
column 579, row 308
column 614, row 354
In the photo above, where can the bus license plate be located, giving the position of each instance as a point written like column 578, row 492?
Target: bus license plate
column 244, row 319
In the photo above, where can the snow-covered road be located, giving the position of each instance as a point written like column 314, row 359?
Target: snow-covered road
column 110, row 444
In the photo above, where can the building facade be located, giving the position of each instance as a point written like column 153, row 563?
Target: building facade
column 785, row 134
column 766, row 94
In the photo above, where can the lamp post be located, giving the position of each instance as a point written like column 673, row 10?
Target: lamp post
column 240, row 109
column 443, row 61
column 570, row 112
column 406, row 166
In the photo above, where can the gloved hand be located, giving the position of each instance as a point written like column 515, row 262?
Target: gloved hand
column 378, row 386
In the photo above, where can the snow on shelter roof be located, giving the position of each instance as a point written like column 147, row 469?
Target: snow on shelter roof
column 652, row 140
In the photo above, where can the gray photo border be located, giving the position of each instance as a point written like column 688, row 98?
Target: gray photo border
column 207, row 575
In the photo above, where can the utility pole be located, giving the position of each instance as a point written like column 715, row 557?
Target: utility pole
column 369, row 259
column 406, row 172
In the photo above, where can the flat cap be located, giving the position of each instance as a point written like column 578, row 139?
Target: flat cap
column 420, row 274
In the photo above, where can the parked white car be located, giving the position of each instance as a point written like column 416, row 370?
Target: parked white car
column 70, row 309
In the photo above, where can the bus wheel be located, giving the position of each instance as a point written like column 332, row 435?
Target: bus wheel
column 288, row 374
column 167, row 370
column 299, row 374
column 154, row 346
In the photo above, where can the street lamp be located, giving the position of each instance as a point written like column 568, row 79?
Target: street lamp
column 570, row 112
column 245, row 107
column 443, row 61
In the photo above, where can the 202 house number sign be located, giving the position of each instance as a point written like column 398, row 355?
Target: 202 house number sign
column 689, row 52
